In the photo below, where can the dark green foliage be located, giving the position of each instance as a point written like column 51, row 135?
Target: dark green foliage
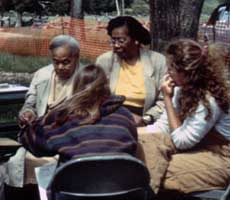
column 89, row 6
column 60, row 7
column 99, row 7
column 209, row 6
column 139, row 7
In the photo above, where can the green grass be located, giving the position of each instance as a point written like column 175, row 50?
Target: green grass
column 16, row 63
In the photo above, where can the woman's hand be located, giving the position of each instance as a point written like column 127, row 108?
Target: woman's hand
column 26, row 118
column 167, row 86
column 138, row 120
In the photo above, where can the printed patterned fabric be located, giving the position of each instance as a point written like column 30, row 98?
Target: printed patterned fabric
column 114, row 132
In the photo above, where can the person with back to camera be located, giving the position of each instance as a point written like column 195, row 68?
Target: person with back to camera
column 134, row 71
column 91, row 122
column 190, row 143
column 50, row 86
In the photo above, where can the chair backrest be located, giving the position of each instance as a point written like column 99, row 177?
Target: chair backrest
column 103, row 177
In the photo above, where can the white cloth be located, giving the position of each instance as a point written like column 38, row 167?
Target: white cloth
column 16, row 167
column 194, row 128
column 3, row 179
column 44, row 175
column 60, row 90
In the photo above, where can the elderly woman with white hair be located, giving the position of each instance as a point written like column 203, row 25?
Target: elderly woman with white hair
column 50, row 86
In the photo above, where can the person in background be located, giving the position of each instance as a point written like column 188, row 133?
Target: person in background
column 50, row 86
column 91, row 122
column 134, row 71
column 190, row 143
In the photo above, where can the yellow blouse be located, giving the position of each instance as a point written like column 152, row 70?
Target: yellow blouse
column 131, row 84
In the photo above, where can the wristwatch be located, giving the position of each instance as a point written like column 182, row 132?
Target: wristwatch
column 147, row 119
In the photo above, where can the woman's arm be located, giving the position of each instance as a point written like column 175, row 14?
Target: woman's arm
column 168, row 91
column 195, row 127
column 188, row 133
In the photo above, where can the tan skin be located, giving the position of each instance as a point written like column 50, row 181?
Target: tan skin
column 128, row 50
column 170, row 80
column 64, row 65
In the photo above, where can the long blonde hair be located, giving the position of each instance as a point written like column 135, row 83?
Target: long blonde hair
column 90, row 91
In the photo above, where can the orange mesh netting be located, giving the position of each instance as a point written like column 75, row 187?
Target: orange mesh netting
column 34, row 40
column 91, row 34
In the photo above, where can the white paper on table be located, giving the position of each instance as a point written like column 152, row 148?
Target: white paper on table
column 6, row 87
column 44, row 175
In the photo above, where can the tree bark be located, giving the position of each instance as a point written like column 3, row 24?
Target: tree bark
column 18, row 19
column 76, row 10
column 122, row 7
column 173, row 19
column 118, row 8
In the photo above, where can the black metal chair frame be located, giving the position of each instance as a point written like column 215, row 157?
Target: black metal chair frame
column 213, row 194
column 101, row 177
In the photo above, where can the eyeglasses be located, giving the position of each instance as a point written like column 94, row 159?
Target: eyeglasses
column 119, row 41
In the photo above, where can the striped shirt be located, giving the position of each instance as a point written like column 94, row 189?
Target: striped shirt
column 114, row 132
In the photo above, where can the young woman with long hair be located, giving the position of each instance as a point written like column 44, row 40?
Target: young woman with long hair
column 191, row 140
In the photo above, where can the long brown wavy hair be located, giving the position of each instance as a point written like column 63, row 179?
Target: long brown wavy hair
column 91, row 89
column 203, row 69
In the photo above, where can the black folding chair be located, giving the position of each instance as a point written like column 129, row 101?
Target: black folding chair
column 108, row 177
column 213, row 194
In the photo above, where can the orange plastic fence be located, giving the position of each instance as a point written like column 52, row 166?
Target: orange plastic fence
column 90, row 33
column 34, row 40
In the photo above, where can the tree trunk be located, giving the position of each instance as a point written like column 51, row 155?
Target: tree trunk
column 76, row 10
column 118, row 8
column 173, row 19
column 1, row 15
column 18, row 19
column 122, row 7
